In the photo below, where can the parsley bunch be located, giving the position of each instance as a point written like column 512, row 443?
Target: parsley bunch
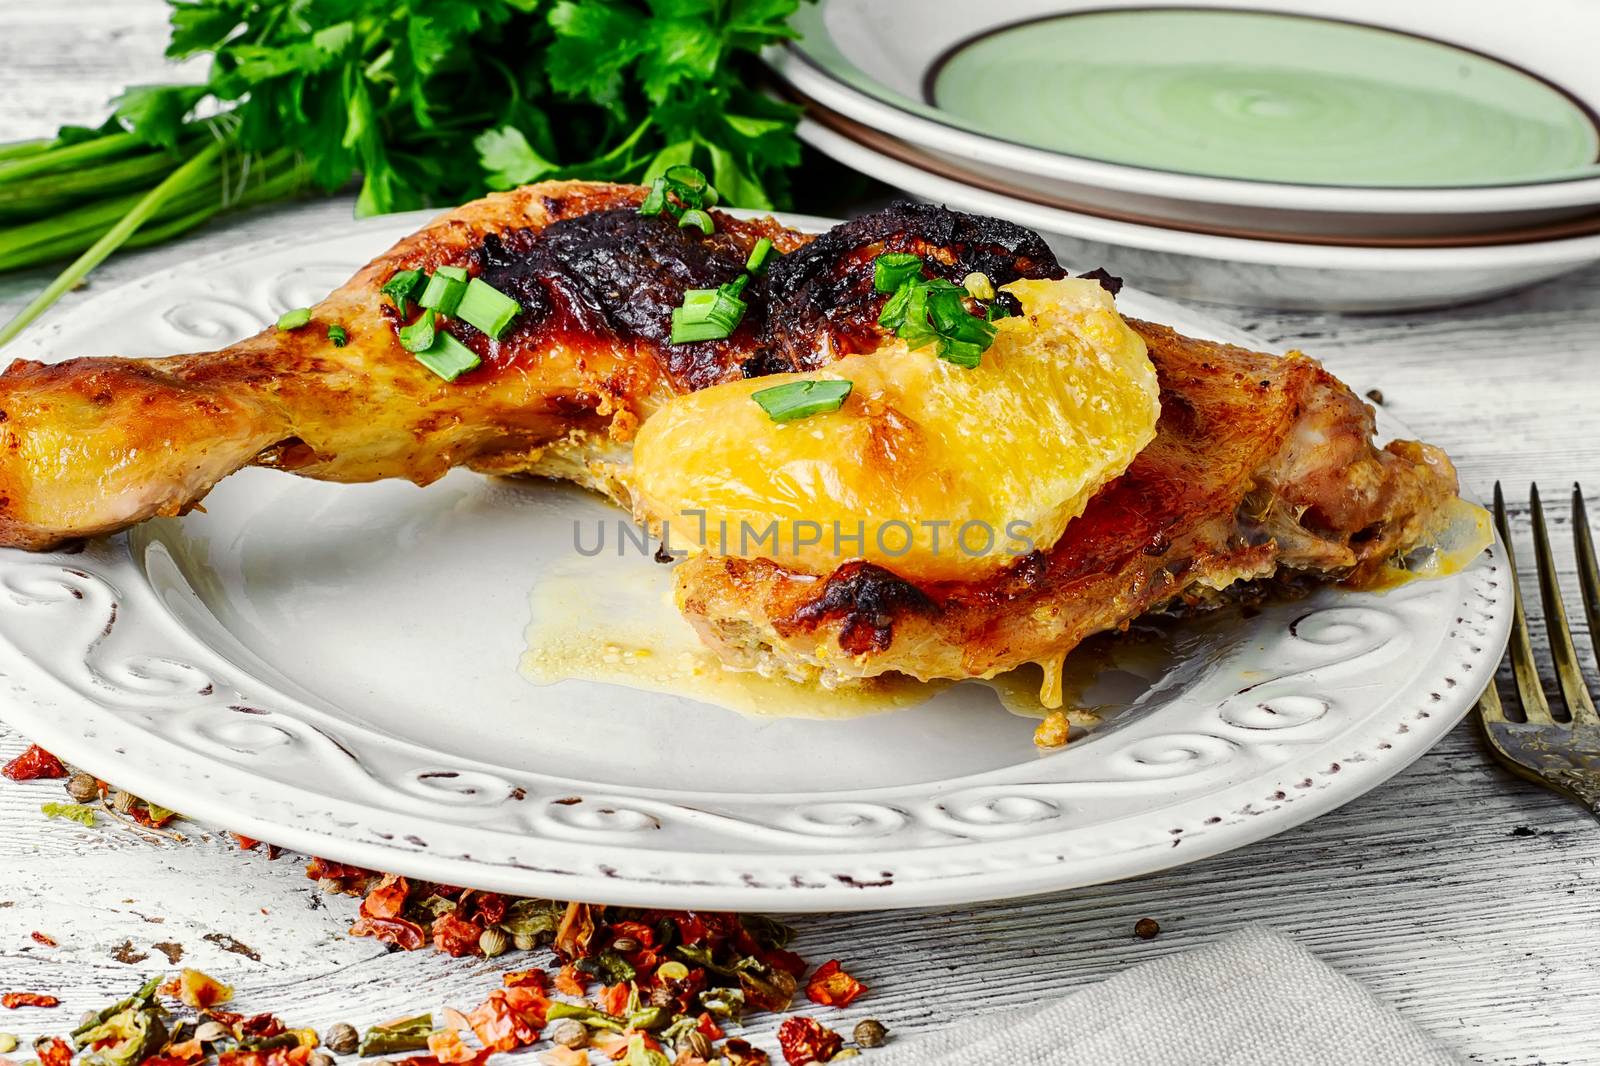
column 430, row 102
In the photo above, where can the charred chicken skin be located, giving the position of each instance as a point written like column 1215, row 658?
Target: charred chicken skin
column 1258, row 462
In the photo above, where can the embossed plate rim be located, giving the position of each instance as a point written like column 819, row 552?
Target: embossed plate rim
column 132, row 666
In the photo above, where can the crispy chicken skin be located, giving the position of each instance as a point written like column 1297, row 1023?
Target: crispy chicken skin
column 1259, row 463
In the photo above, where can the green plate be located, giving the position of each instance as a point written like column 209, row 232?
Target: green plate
column 1263, row 96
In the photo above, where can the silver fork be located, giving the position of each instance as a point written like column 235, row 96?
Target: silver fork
column 1561, row 755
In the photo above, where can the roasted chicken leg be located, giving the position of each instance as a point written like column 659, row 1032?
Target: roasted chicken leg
column 1257, row 462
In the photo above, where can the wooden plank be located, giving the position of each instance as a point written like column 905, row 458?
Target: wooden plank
column 1462, row 896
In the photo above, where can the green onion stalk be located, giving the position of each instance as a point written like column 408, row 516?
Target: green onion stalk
column 85, row 198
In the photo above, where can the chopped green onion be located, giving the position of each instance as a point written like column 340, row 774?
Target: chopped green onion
column 655, row 201
column 924, row 311
column 801, row 399
column 338, row 335
column 418, row 337
column 402, row 287
column 736, row 286
column 691, row 193
column 294, row 319
column 893, row 269
column 448, row 357
column 685, row 332
column 759, row 255
column 708, row 314
column 964, row 354
column 699, row 219
column 444, row 292
column 488, row 308
column 691, row 185
column 454, row 273
column 700, row 297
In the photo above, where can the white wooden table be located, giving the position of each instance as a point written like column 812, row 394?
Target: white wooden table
column 1465, row 898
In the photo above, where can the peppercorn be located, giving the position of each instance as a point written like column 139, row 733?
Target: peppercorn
column 695, row 1043
column 570, row 1032
column 1146, row 928
column 341, row 1039
column 492, row 942
column 82, row 787
column 319, row 1058
column 870, row 1032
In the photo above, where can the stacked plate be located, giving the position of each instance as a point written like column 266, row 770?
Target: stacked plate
column 1350, row 155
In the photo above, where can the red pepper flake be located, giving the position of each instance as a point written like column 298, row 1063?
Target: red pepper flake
column 708, row 1026
column 832, row 987
column 13, row 1000
column 485, row 908
column 380, row 915
column 575, row 931
column 144, row 815
column 740, row 1053
column 532, row 978
column 509, row 1019
column 43, row 938
column 805, row 1041
column 619, row 1049
column 787, row 961
column 446, row 1045
column 455, row 937
column 613, row 999
column 53, row 1051
column 564, row 1056
column 34, row 764
column 260, row 1026
column 570, row 980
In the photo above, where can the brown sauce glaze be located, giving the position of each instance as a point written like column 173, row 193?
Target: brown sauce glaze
column 822, row 296
column 612, row 276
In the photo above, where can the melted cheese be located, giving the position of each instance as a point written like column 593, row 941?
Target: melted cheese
column 932, row 470
column 621, row 629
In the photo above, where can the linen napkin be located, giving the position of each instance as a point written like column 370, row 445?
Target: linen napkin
column 1254, row 997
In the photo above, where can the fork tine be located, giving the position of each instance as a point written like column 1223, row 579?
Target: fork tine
column 1573, row 691
column 1489, row 708
column 1588, row 569
column 1529, row 691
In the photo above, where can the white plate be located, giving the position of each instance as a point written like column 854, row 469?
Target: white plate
column 334, row 668
column 1279, row 274
column 867, row 58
